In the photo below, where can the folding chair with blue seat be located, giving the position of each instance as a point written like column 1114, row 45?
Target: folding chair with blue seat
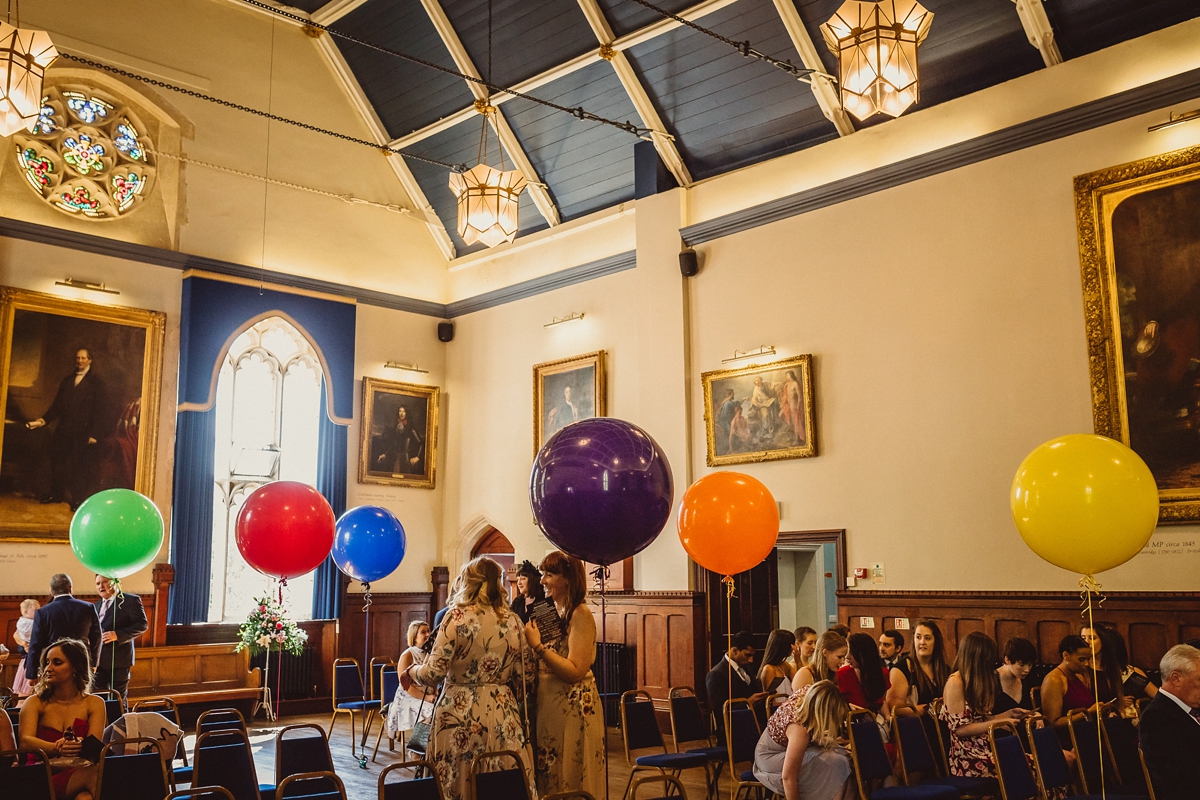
column 140, row 775
column 938, row 734
column 1053, row 771
column 690, row 726
column 389, row 680
column 297, row 755
column 324, row 785
column 741, row 738
column 199, row 792
column 223, row 758
column 672, row 789
column 499, row 784
column 27, row 781
column 14, row 716
column 1017, row 780
column 1088, row 743
column 918, row 765
column 114, row 704
column 1121, row 741
column 872, row 767
column 220, row 719
column 422, row 786
column 167, row 708
column 349, row 697
column 578, row 795
column 639, row 730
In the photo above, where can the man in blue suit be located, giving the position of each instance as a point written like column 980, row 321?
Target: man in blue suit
column 64, row 617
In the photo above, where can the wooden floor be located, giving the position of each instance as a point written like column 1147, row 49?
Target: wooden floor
column 362, row 784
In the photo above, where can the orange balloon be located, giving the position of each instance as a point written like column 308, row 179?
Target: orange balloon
column 728, row 522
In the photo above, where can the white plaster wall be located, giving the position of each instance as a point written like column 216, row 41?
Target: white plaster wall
column 26, row 568
column 386, row 335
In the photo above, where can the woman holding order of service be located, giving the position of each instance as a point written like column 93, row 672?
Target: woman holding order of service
column 478, row 651
column 570, row 722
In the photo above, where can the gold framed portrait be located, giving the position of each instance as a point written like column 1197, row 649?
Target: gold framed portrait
column 760, row 412
column 566, row 391
column 1138, row 246
column 80, row 385
column 399, row 434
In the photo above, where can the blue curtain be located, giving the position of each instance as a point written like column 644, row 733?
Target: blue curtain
column 192, row 516
column 331, row 482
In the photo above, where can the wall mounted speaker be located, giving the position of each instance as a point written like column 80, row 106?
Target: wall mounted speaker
column 445, row 331
column 689, row 265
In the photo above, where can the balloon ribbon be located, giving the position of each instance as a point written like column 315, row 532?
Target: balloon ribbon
column 601, row 574
column 727, row 712
column 1088, row 587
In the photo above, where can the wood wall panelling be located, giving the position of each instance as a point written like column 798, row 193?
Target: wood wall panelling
column 391, row 613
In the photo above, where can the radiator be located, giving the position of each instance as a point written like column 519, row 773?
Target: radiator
column 615, row 674
column 298, row 673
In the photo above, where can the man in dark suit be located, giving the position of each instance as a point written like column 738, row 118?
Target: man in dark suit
column 64, row 617
column 78, row 408
column 1169, row 728
column 731, row 678
column 122, row 619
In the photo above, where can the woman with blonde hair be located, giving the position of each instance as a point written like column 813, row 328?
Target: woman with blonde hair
column 570, row 721
column 799, row 755
column 62, row 713
column 827, row 658
column 479, row 651
column 402, row 711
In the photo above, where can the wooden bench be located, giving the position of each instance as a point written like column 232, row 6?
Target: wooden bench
column 198, row 675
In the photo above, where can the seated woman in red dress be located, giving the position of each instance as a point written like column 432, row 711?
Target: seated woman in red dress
column 866, row 683
column 62, row 703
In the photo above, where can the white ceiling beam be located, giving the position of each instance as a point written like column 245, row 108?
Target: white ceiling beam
column 663, row 142
column 281, row 6
column 508, row 140
column 654, row 29
column 822, row 88
column 1038, row 29
column 358, row 99
column 334, row 10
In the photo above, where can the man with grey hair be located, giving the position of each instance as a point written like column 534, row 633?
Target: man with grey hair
column 64, row 617
column 1169, row 729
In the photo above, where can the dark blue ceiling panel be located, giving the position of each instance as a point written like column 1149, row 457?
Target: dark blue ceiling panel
column 727, row 110
column 588, row 165
column 527, row 37
column 406, row 96
column 626, row 17
column 972, row 44
column 460, row 145
column 1084, row 26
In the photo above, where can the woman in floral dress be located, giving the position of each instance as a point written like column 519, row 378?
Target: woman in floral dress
column 570, row 721
column 478, row 652
column 967, row 709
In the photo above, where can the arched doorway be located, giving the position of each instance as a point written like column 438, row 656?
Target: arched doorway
column 496, row 546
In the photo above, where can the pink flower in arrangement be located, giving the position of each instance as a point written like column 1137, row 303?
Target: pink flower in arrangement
column 262, row 608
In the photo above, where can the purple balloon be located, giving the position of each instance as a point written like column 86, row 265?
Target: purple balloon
column 601, row 490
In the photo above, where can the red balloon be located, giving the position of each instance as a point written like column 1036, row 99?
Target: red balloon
column 285, row 529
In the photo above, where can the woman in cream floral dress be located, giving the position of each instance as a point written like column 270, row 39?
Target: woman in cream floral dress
column 478, row 652
column 570, row 721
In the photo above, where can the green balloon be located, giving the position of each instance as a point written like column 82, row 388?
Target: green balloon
column 116, row 532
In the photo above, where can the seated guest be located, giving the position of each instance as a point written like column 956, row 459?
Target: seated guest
column 891, row 648
column 969, row 707
column 1169, row 728
column 1132, row 685
column 729, row 680
column 529, row 590
column 1069, row 685
column 62, row 713
column 827, row 658
column 798, row 755
column 866, row 683
column 408, row 703
column 775, row 674
column 1019, row 657
column 802, row 650
column 927, row 667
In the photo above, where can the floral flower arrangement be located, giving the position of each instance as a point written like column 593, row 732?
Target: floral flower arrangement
column 268, row 628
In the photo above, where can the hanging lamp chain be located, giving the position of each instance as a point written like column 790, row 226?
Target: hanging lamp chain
column 259, row 113
column 579, row 112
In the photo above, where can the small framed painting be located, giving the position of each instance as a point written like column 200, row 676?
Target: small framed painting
column 760, row 412
column 398, row 437
column 566, row 391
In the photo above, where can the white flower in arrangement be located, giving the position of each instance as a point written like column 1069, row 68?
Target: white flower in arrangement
column 264, row 640
column 302, row 634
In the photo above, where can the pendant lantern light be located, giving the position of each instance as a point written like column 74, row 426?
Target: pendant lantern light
column 488, row 198
column 876, row 48
column 24, row 56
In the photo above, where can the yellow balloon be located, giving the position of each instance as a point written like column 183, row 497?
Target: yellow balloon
column 1085, row 503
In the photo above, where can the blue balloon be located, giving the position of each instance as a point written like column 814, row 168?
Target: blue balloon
column 368, row 543
column 601, row 490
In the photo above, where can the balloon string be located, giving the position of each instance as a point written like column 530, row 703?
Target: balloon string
column 367, row 677
column 601, row 573
column 727, row 715
column 1088, row 586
